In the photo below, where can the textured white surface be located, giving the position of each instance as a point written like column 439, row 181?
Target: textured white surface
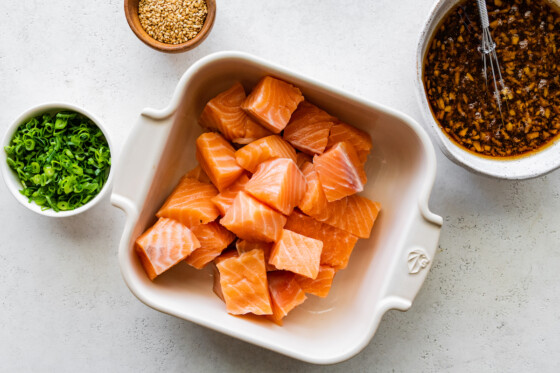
column 490, row 302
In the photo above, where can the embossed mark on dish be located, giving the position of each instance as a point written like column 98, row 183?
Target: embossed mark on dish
column 417, row 261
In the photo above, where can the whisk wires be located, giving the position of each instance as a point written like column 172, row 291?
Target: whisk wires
column 489, row 57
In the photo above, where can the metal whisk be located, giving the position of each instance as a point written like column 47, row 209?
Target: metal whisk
column 489, row 56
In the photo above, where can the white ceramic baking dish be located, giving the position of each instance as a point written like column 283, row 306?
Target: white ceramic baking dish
column 385, row 271
column 529, row 166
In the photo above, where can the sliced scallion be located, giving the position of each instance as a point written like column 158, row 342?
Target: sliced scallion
column 62, row 160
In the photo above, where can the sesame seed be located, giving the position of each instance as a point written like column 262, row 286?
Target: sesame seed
column 172, row 21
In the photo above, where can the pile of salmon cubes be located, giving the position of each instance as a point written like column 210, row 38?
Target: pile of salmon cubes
column 272, row 206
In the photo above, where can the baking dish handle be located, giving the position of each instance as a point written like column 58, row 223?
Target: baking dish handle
column 414, row 262
column 139, row 159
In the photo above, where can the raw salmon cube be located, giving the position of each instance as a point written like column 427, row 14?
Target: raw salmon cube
column 244, row 284
column 301, row 158
column 226, row 254
column 337, row 244
column 217, row 158
column 309, row 128
column 190, row 203
column 250, row 156
column 165, row 244
column 360, row 140
column 224, row 113
column 253, row 131
column 279, row 183
column 340, row 171
column 354, row 214
column 272, row 102
column 314, row 201
column 216, row 286
column 252, row 220
column 198, row 174
column 285, row 294
column 244, row 246
column 297, row 253
column 225, row 198
column 319, row 286
column 213, row 240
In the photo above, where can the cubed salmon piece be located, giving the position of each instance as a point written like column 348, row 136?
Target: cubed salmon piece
column 224, row 113
column 163, row 245
column 314, row 201
column 190, row 203
column 252, row 220
column 272, row 102
column 226, row 254
column 337, row 243
column 216, row 286
column 340, row 171
column 244, row 246
column 225, row 198
column 301, row 158
column 213, row 240
column 297, row 253
column 198, row 173
column 354, row 214
column 244, row 284
column 279, row 183
column 253, row 132
column 285, row 294
column 360, row 140
column 319, row 286
column 217, row 158
column 250, row 156
column 309, row 128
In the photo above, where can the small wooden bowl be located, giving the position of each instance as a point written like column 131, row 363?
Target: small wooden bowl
column 131, row 12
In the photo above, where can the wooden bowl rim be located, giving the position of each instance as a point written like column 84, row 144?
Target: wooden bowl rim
column 131, row 13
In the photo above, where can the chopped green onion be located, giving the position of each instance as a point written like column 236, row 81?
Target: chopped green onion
column 29, row 144
column 62, row 160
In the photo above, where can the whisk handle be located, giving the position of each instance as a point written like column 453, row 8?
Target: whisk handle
column 483, row 10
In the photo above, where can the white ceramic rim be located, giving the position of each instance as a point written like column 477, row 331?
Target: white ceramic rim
column 12, row 181
column 530, row 166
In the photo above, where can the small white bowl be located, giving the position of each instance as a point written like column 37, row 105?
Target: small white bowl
column 529, row 166
column 11, row 179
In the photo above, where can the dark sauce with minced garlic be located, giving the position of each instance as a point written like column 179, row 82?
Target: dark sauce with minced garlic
column 527, row 37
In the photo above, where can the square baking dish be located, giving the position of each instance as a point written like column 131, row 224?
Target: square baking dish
column 385, row 272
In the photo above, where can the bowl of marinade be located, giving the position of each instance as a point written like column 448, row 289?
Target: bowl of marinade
column 511, row 132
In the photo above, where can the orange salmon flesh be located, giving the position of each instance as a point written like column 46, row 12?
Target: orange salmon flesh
column 273, row 207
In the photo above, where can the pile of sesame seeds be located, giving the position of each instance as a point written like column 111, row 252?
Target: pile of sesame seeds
column 172, row 21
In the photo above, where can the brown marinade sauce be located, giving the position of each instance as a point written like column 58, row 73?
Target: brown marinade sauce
column 527, row 37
